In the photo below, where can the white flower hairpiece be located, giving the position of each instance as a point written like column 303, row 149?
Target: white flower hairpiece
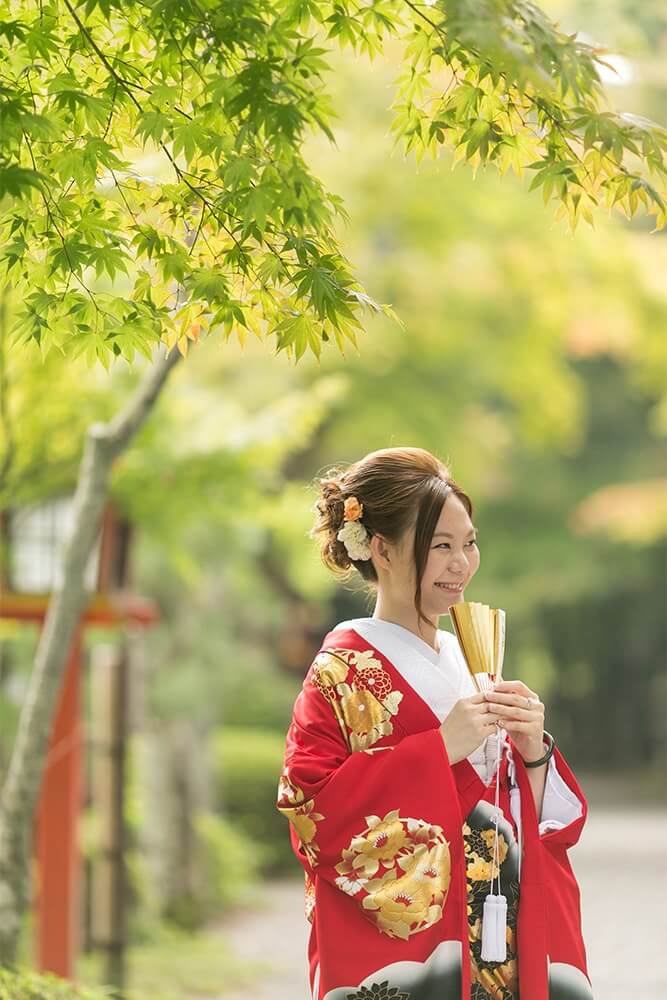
column 354, row 535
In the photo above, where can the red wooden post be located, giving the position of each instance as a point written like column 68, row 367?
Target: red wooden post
column 56, row 844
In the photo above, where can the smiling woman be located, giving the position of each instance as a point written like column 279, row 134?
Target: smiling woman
column 390, row 757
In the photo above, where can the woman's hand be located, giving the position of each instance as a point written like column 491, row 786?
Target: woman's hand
column 521, row 713
column 468, row 724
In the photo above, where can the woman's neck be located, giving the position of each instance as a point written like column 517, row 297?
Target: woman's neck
column 407, row 619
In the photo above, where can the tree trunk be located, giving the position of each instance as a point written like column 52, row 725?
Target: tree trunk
column 104, row 442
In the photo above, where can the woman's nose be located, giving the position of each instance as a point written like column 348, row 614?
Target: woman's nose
column 457, row 560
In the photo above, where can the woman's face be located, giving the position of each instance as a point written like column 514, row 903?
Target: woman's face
column 453, row 558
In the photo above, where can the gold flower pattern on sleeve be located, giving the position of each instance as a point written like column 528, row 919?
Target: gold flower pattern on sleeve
column 360, row 693
column 359, row 690
column 400, row 868
column 292, row 803
column 308, row 897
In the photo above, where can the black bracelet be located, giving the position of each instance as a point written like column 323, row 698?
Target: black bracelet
column 547, row 755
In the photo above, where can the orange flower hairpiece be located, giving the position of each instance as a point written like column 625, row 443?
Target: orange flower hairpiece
column 354, row 535
column 353, row 509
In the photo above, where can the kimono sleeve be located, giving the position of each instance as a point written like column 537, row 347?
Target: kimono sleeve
column 564, row 806
column 372, row 813
column 560, row 805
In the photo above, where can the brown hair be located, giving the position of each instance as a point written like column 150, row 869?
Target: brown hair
column 398, row 487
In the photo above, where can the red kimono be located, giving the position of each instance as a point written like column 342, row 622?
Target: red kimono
column 397, row 848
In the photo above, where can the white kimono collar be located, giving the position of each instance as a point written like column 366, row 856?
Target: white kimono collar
column 440, row 679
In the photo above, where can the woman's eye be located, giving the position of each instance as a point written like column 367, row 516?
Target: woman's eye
column 473, row 542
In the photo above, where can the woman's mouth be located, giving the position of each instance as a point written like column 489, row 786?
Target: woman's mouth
column 453, row 588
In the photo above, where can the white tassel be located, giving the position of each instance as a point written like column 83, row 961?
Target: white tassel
column 494, row 914
column 494, row 929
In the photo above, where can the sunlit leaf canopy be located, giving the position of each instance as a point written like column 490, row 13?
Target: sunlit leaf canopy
column 152, row 182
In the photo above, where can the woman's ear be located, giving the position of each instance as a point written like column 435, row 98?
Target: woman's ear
column 380, row 549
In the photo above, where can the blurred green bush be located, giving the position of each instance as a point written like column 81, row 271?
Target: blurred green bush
column 228, row 865
column 26, row 985
column 246, row 764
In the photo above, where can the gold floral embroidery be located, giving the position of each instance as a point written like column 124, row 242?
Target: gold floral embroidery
column 359, row 690
column 292, row 804
column 308, row 897
column 500, row 981
column 412, row 863
column 364, row 715
column 327, row 671
column 288, row 792
column 375, row 679
column 384, row 840
column 488, row 837
column 479, row 868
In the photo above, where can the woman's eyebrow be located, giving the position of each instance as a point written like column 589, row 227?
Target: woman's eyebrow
column 449, row 535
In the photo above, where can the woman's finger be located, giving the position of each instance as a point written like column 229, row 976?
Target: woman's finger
column 510, row 699
column 522, row 701
column 522, row 727
column 516, row 687
column 515, row 712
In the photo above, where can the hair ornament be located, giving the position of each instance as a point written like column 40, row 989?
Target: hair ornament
column 354, row 535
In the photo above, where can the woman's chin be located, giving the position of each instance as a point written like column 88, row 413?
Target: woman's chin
column 447, row 599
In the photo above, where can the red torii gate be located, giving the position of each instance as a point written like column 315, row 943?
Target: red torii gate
column 56, row 846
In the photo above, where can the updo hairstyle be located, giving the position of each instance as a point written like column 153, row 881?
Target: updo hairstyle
column 398, row 487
